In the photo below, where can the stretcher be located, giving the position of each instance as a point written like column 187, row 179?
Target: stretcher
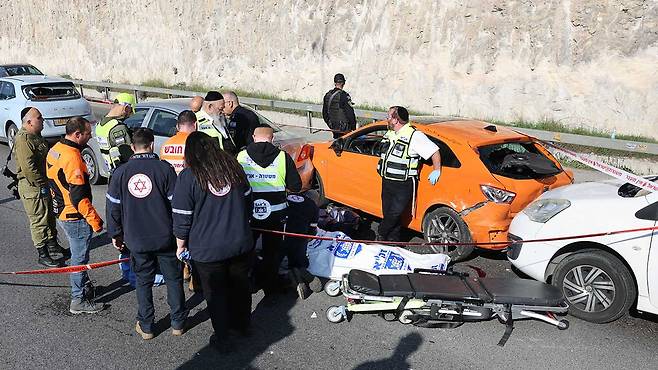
column 447, row 299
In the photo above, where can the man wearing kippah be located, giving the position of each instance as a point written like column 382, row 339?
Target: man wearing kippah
column 211, row 121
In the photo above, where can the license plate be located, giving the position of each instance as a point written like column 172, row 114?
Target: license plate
column 60, row 121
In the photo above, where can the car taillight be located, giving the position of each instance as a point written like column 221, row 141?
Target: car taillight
column 497, row 195
column 305, row 153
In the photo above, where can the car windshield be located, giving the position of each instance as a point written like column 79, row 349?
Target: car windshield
column 51, row 91
column 629, row 190
column 517, row 160
column 23, row 70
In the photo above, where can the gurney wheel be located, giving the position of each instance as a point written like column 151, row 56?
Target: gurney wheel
column 404, row 317
column 388, row 316
column 332, row 288
column 563, row 325
column 336, row 314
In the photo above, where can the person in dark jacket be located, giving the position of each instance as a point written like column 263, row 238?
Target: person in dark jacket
column 270, row 172
column 241, row 121
column 211, row 209
column 337, row 110
column 139, row 215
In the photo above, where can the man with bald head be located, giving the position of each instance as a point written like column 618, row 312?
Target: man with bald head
column 196, row 103
column 31, row 149
column 270, row 172
column 241, row 121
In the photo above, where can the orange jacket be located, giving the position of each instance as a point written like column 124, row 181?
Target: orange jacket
column 69, row 184
column 173, row 151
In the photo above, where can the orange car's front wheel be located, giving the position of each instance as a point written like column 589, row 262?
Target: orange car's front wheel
column 444, row 225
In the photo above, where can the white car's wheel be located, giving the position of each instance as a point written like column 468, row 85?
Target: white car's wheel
column 332, row 288
column 92, row 166
column 336, row 314
column 597, row 286
column 405, row 317
column 12, row 130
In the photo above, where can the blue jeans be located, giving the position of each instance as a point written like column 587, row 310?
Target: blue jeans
column 79, row 234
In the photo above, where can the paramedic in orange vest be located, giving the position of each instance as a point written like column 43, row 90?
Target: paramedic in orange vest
column 71, row 196
column 173, row 150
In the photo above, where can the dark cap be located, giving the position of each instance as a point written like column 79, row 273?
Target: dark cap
column 213, row 96
column 339, row 78
column 24, row 112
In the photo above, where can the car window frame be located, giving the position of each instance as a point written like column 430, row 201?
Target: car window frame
column 350, row 139
column 152, row 117
column 146, row 117
column 448, row 156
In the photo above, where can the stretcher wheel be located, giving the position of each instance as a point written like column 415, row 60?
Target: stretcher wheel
column 388, row 316
column 405, row 317
column 336, row 314
column 563, row 325
column 332, row 288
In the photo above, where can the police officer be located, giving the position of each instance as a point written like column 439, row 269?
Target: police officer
column 402, row 148
column 71, row 196
column 269, row 171
column 139, row 213
column 30, row 150
column 241, row 121
column 337, row 110
column 212, row 122
column 113, row 135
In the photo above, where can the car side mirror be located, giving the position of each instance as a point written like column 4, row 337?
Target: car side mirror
column 649, row 212
column 337, row 146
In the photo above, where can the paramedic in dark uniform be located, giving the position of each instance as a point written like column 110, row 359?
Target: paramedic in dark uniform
column 402, row 148
column 138, row 210
column 270, row 171
column 211, row 207
column 337, row 110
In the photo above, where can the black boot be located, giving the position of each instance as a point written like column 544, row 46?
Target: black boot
column 55, row 248
column 44, row 258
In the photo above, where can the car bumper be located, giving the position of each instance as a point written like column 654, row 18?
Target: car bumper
column 489, row 223
column 52, row 132
column 531, row 258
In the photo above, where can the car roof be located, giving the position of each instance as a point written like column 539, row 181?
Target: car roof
column 30, row 79
column 176, row 104
column 17, row 65
column 476, row 133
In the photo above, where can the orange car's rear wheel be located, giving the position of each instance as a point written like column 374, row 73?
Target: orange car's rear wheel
column 444, row 225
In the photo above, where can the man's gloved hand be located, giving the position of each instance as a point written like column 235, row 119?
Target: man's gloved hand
column 434, row 176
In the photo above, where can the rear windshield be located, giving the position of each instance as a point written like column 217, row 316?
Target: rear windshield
column 517, row 160
column 21, row 71
column 51, row 91
column 629, row 190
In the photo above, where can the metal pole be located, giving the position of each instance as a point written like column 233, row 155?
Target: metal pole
column 107, row 93
column 309, row 116
column 136, row 98
column 82, row 92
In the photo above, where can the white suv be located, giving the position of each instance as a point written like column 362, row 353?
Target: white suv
column 56, row 98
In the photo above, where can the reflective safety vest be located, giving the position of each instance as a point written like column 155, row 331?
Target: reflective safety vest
column 206, row 124
column 173, row 151
column 113, row 138
column 395, row 162
column 267, row 184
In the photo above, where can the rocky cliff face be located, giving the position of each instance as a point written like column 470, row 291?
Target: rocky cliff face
column 587, row 62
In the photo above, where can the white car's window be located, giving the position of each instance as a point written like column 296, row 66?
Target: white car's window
column 136, row 119
column 163, row 123
column 7, row 91
column 51, row 91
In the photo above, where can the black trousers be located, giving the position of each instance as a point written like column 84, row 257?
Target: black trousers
column 295, row 250
column 145, row 265
column 227, row 292
column 396, row 199
column 267, row 271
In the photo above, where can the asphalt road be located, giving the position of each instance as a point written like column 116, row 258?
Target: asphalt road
column 38, row 331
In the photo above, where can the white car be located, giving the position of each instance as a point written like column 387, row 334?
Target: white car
column 601, row 277
column 56, row 98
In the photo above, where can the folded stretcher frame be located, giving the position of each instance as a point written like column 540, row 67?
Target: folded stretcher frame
column 432, row 298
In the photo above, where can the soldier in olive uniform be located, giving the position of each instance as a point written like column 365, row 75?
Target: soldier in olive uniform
column 30, row 150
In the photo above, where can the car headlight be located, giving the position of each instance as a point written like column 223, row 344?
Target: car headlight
column 543, row 210
column 497, row 195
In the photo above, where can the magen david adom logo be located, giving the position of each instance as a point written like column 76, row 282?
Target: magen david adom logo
column 140, row 185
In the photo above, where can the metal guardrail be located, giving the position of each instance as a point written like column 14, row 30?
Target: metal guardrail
column 559, row 137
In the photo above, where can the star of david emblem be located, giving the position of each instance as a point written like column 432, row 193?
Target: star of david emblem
column 140, row 185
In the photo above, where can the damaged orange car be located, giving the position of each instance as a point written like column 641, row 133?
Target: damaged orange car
column 489, row 174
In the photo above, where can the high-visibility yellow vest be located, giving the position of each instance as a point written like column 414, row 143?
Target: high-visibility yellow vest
column 268, row 184
column 112, row 133
column 206, row 125
column 395, row 162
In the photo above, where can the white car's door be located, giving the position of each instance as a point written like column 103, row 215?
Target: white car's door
column 652, row 263
column 163, row 124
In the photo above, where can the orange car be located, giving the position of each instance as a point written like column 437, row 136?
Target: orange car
column 489, row 174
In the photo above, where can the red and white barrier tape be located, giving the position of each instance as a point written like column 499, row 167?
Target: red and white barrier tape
column 584, row 236
column 68, row 269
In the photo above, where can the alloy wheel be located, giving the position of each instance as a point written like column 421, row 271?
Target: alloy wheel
column 443, row 229
column 588, row 288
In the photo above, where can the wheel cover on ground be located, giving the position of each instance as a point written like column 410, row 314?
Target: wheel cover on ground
column 588, row 288
column 443, row 229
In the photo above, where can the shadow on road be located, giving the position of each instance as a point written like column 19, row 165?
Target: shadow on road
column 399, row 359
column 106, row 294
column 270, row 324
column 7, row 200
